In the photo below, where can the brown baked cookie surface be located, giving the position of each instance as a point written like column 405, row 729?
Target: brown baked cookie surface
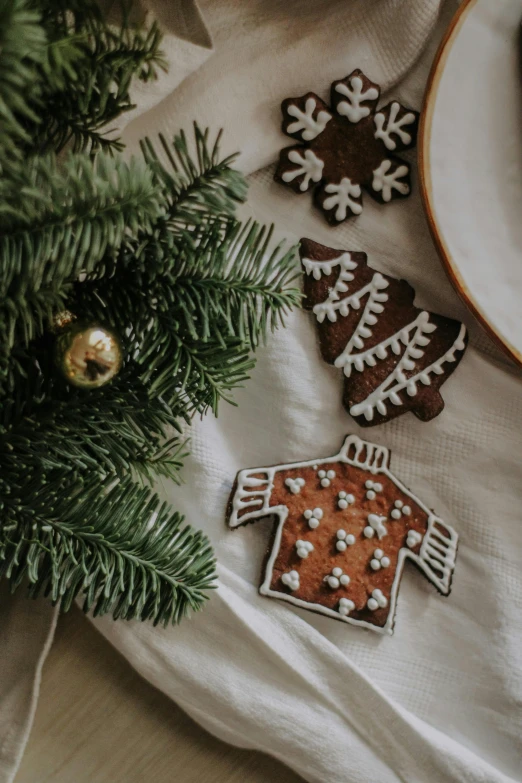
column 345, row 526
column 394, row 356
column 346, row 147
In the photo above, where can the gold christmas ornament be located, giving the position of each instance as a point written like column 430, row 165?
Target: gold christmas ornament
column 88, row 356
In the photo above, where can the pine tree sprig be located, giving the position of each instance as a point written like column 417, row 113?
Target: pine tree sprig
column 22, row 48
column 151, row 248
column 57, row 222
column 123, row 549
column 198, row 183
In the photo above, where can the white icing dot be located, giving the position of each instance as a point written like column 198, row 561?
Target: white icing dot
column 406, row 510
column 291, row 580
column 307, row 514
column 295, row 485
column 304, row 548
column 413, row 538
column 376, row 522
column 341, row 534
column 330, row 474
column 379, row 560
column 372, row 604
column 350, row 539
column 346, row 606
column 369, row 532
column 345, row 499
column 318, row 513
column 337, row 578
column 396, row 514
column 340, row 546
column 325, row 482
column 377, row 487
column 369, row 484
column 314, row 467
column 322, row 473
column 313, row 523
column 370, row 495
column 399, row 504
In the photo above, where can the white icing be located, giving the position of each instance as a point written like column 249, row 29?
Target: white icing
column 353, row 108
column 394, row 126
column 337, row 578
column 385, row 180
column 313, row 517
column 375, row 526
column 400, row 509
column 291, row 580
column 438, row 552
column 295, row 485
column 397, row 381
column 373, row 487
column 411, row 339
column 305, row 121
column 377, row 601
column 310, row 165
column 345, row 499
column 252, row 495
column 379, row 560
column 343, row 197
column 413, row 538
column 438, row 556
column 345, row 606
column 326, row 477
column 304, row 548
column 344, row 540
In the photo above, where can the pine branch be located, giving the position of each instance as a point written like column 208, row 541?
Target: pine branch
column 122, row 549
column 97, row 90
column 22, row 47
column 58, row 222
column 198, row 185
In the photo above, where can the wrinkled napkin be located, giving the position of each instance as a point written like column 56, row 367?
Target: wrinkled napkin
column 441, row 699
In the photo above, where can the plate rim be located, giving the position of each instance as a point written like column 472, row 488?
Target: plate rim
column 425, row 129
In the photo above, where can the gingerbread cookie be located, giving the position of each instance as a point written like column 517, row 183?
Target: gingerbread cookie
column 340, row 541
column 347, row 147
column 394, row 355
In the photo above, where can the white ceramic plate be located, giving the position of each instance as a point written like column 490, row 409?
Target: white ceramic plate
column 471, row 163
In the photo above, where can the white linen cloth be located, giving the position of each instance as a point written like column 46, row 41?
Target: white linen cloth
column 441, row 699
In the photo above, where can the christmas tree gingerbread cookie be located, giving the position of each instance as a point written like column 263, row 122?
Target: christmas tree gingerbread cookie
column 344, row 528
column 347, row 147
column 394, row 356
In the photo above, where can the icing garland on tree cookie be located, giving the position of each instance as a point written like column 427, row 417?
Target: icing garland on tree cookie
column 348, row 147
column 349, row 564
column 394, row 355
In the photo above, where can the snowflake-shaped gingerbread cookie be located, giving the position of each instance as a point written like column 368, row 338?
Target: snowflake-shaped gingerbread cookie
column 348, row 147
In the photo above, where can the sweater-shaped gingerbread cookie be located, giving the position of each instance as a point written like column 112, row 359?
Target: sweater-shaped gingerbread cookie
column 345, row 526
column 394, row 356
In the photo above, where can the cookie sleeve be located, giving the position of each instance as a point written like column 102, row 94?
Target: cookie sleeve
column 250, row 496
column 437, row 553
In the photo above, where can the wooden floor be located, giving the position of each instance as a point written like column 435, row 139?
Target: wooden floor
column 99, row 722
